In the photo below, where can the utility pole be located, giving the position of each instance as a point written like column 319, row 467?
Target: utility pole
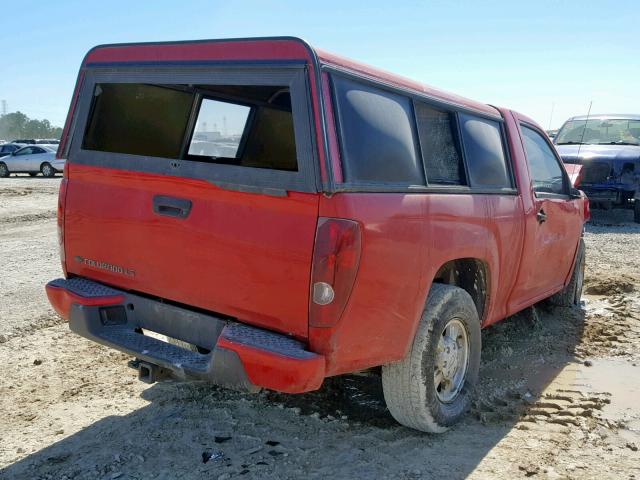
column 4, row 107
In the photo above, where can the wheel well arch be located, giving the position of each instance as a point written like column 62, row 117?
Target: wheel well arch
column 470, row 274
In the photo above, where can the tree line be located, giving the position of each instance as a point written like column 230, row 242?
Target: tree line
column 17, row 125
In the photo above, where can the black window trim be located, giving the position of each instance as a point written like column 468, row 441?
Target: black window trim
column 233, row 177
column 567, row 180
column 435, row 103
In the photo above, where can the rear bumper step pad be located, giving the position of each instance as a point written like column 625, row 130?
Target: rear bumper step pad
column 241, row 356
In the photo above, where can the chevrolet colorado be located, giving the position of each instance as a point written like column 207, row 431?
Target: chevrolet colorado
column 262, row 214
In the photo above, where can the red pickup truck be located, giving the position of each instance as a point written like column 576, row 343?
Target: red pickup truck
column 259, row 213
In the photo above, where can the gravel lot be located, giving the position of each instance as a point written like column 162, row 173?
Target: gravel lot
column 558, row 395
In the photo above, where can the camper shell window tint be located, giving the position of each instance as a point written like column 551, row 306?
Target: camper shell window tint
column 377, row 139
column 437, row 130
column 138, row 119
column 484, row 152
column 247, row 126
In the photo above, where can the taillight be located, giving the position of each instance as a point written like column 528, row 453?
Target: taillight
column 62, row 195
column 336, row 256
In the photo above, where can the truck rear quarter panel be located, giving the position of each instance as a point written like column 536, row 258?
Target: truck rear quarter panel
column 406, row 238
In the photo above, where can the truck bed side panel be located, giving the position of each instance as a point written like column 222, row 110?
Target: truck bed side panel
column 406, row 239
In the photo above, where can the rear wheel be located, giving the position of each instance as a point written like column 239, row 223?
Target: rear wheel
column 636, row 210
column 431, row 388
column 4, row 170
column 571, row 294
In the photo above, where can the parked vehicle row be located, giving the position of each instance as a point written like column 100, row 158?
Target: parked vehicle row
column 343, row 219
column 36, row 141
column 31, row 159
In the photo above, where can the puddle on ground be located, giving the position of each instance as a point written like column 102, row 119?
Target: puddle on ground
column 612, row 377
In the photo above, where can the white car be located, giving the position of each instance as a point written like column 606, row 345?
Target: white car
column 32, row 159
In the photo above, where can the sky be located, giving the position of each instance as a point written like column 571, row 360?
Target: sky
column 546, row 59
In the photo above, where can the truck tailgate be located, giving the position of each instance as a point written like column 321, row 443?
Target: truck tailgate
column 244, row 255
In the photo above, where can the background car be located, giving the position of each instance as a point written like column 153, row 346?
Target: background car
column 608, row 147
column 32, row 159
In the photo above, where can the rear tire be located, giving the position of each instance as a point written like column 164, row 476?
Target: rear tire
column 413, row 387
column 570, row 295
column 4, row 170
column 47, row 170
column 636, row 210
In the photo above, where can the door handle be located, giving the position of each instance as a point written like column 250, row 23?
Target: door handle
column 171, row 207
column 541, row 216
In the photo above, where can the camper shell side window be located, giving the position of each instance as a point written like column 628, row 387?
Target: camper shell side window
column 396, row 141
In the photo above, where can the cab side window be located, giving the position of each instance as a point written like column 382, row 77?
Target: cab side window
column 484, row 153
column 546, row 173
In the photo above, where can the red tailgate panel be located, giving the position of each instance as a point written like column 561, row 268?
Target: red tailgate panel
column 240, row 254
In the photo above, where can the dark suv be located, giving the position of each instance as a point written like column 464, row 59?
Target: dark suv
column 608, row 147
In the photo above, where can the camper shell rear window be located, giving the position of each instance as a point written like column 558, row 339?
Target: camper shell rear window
column 253, row 128
column 245, row 129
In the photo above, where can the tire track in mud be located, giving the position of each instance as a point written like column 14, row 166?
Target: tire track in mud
column 11, row 192
column 42, row 321
column 568, row 408
column 612, row 324
column 31, row 217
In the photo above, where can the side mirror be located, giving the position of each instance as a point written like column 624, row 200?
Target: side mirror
column 575, row 193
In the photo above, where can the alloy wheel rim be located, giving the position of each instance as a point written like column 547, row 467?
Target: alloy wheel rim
column 452, row 361
column 46, row 170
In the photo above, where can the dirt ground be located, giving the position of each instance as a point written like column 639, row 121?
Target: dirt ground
column 559, row 389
